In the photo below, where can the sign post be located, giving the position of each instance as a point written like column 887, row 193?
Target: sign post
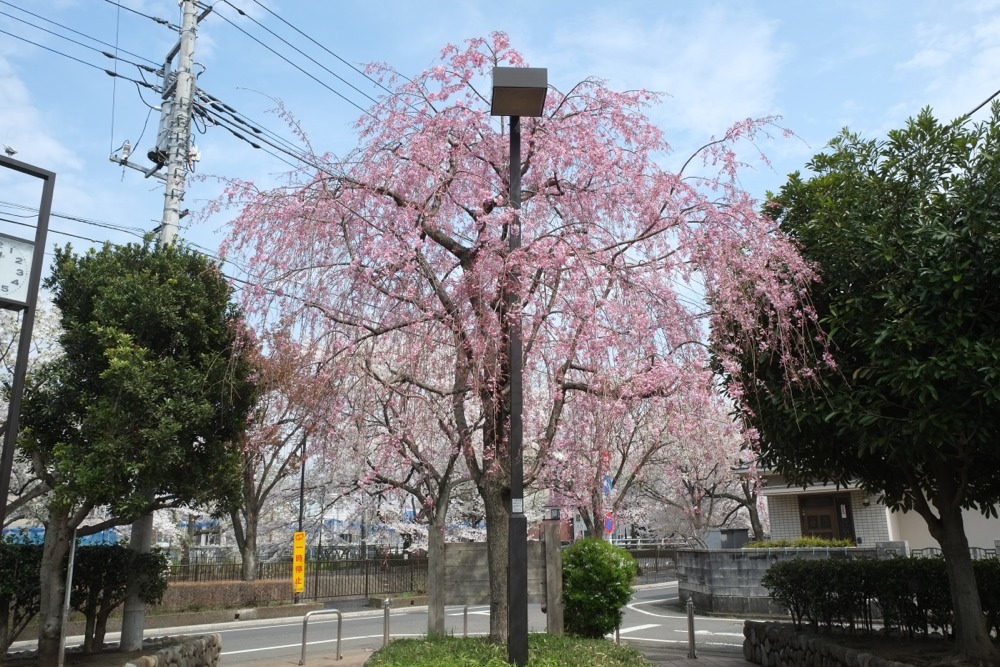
column 299, row 563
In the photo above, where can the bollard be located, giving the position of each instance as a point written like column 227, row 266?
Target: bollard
column 690, row 609
column 465, row 621
column 618, row 639
column 305, row 627
column 385, row 628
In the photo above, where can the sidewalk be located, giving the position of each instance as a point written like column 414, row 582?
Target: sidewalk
column 672, row 657
column 662, row 657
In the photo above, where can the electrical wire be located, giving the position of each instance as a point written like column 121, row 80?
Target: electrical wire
column 299, row 157
column 310, row 75
column 82, row 62
column 362, row 73
column 76, row 32
column 225, row 126
column 147, row 68
column 962, row 119
column 301, row 52
column 114, row 84
column 138, row 232
column 221, row 107
column 155, row 19
column 33, row 212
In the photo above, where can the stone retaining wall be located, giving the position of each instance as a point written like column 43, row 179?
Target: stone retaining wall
column 193, row 651
column 727, row 581
column 773, row 645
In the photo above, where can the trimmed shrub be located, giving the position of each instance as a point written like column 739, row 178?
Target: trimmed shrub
column 799, row 543
column 100, row 574
column 199, row 595
column 597, row 584
column 20, row 596
column 988, row 580
column 910, row 595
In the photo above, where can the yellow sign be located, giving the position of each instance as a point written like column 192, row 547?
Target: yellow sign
column 299, row 563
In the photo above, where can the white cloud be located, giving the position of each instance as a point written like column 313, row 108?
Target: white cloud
column 22, row 125
column 716, row 65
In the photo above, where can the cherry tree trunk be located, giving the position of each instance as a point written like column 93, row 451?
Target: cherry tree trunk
column 496, row 498
column 53, row 585
column 248, row 549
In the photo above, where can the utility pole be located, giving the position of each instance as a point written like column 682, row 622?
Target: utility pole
column 172, row 151
column 179, row 123
column 173, row 142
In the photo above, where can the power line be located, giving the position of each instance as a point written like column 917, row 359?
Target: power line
column 300, row 51
column 362, row 73
column 311, row 76
column 32, row 212
column 156, row 19
column 82, row 62
column 68, row 29
column 146, row 68
column 222, row 108
column 962, row 119
column 138, row 232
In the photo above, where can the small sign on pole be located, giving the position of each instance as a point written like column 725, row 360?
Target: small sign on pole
column 607, row 484
column 609, row 523
column 299, row 563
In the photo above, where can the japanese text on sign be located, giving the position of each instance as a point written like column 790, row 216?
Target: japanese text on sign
column 299, row 563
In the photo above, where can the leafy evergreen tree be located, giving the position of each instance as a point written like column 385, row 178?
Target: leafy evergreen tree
column 146, row 405
column 905, row 233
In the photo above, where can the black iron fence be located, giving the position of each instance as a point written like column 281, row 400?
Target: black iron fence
column 331, row 575
column 325, row 578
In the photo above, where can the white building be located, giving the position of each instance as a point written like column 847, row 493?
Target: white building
column 823, row 510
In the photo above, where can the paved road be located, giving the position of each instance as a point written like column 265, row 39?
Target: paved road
column 652, row 619
column 265, row 643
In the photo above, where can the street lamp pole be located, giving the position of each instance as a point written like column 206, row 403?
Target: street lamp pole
column 517, row 92
column 517, row 530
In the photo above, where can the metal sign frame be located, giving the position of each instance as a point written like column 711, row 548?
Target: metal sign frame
column 11, row 426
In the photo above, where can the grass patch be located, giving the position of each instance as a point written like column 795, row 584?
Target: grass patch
column 544, row 650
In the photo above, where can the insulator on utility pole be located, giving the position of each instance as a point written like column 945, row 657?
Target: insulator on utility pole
column 172, row 151
column 179, row 125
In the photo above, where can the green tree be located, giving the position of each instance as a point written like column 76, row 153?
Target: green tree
column 146, row 406
column 906, row 235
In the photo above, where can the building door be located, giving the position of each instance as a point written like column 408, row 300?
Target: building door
column 827, row 516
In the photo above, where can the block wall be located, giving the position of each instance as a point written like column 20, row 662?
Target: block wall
column 871, row 524
column 784, row 513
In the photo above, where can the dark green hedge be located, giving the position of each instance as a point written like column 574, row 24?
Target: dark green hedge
column 100, row 573
column 99, row 576
column 908, row 595
column 19, row 588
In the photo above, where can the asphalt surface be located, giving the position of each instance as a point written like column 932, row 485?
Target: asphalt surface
column 654, row 624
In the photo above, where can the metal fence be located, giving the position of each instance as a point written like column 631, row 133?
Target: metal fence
column 326, row 578
column 654, row 562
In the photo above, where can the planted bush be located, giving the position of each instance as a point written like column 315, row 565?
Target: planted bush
column 597, row 584
column 100, row 575
column 799, row 543
column 19, row 588
column 910, row 595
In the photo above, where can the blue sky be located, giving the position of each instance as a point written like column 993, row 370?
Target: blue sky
column 819, row 65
